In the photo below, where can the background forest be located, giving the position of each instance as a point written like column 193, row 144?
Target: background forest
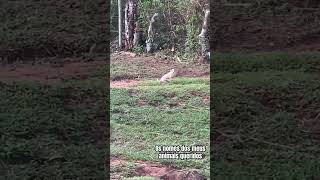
column 177, row 27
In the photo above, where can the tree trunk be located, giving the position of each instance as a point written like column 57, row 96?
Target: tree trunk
column 138, row 36
column 203, row 38
column 149, row 42
column 120, row 24
column 130, row 19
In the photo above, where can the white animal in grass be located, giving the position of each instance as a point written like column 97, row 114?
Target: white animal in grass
column 168, row 76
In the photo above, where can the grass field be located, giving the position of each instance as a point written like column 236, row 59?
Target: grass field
column 48, row 130
column 54, row 28
column 53, row 132
column 150, row 114
column 266, row 116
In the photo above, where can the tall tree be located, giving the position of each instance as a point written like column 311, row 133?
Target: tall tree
column 150, row 40
column 130, row 23
column 204, row 38
column 120, row 23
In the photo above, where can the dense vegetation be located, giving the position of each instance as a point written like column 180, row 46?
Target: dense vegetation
column 177, row 27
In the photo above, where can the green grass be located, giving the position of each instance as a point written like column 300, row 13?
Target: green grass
column 48, row 132
column 53, row 132
column 261, row 110
column 152, row 114
column 278, row 61
column 53, row 27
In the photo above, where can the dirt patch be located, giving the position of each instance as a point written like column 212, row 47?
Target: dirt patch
column 153, row 170
column 142, row 102
column 206, row 100
column 130, row 83
column 62, row 69
column 127, row 66
column 183, row 175
column 149, row 66
column 143, row 168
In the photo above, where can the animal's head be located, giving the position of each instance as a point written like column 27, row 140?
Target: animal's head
column 172, row 70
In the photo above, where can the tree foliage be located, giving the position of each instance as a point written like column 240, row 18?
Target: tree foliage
column 178, row 25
